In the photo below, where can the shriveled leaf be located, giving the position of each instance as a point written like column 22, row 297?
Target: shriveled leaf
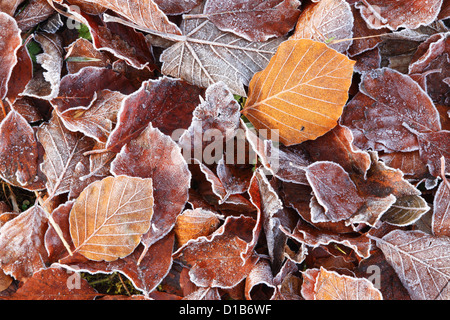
column 397, row 14
column 9, row 7
column 166, row 103
column 21, row 74
column 19, row 156
column 301, row 92
column 259, row 283
column 96, row 120
column 55, row 284
column 34, row 13
column 326, row 21
column 155, row 155
column 192, row 224
column 110, row 216
column 45, row 84
column 22, row 251
column 253, row 20
column 406, row 210
column 441, row 209
column 10, row 42
column 421, row 262
column 177, row 7
column 214, row 122
column 334, row 190
column 216, row 261
column 143, row 13
column 63, row 151
column 329, row 285
column 81, row 53
column 206, row 55
column 387, row 100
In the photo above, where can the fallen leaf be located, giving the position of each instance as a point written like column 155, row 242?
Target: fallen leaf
column 22, row 244
column 192, row 224
column 329, row 285
column 110, row 216
column 207, row 55
column 295, row 104
column 420, row 261
column 19, row 155
column 406, row 210
column 326, row 21
column 441, row 209
column 9, row 45
column 255, row 20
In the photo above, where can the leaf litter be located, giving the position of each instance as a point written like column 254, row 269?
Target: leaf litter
column 224, row 150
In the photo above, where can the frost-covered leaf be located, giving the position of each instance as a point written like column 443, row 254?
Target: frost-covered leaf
column 406, row 210
column 329, row 285
column 441, row 209
column 19, row 155
column 22, row 251
column 326, row 21
column 110, row 216
column 192, row 224
column 206, row 55
column 301, row 92
column 10, row 42
column 253, row 20
column 421, row 262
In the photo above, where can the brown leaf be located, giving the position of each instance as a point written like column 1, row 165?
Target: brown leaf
column 329, row 285
column 397, row 14
column 216, row 261
column 192, row 224
column 110, row 216
column 45, row 84
column 22, row 244
column 55, row 284
column 9, row 7
column 296, row 106
column 328, row 19
column 9, row 45
column 21, row 74
column 166, row 103
column 155, row 155
column 19, row 155
column 83, row 50
column 175, row 7
column 441, row 209
column 63, row 151
column 34, row 13
column 406, row 210
column 206, row 55
column 387, row 100
column 255, row 20
column 143, row 13
column 421, row 262
column 259, row 282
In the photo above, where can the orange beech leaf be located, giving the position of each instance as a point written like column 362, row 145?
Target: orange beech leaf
column 110, row 216
column 301, row 92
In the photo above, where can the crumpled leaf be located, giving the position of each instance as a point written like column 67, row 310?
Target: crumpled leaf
column 289, row 95
column 252, row 20
column 22, row 244
column 441, row 209
column 397, row 14
column 110, row 216
column 216, row 261
column 192, row 224
column 329, row 285
column 206, row 55
column 19, row 155
column 421, row 262
column 9, row 44
column 326, row 21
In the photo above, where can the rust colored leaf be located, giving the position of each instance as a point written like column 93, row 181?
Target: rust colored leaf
column 155, row 155
column 19, row 155
column 175, row 7
column 397, row 14
column 143, row 13
column 216, row 261
column 421, row 262
column 166, row 103
column 441, row 208
column 301, row 92
column 10, row 43
column 253, row 20
column 22, row 251
column 110, row 216
column 63, row 151
column 326, row 21
column 387, row 100
column 192, row 224
column 34, row 13
column 81, row 53
column 55, row 284
column 329, row 285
